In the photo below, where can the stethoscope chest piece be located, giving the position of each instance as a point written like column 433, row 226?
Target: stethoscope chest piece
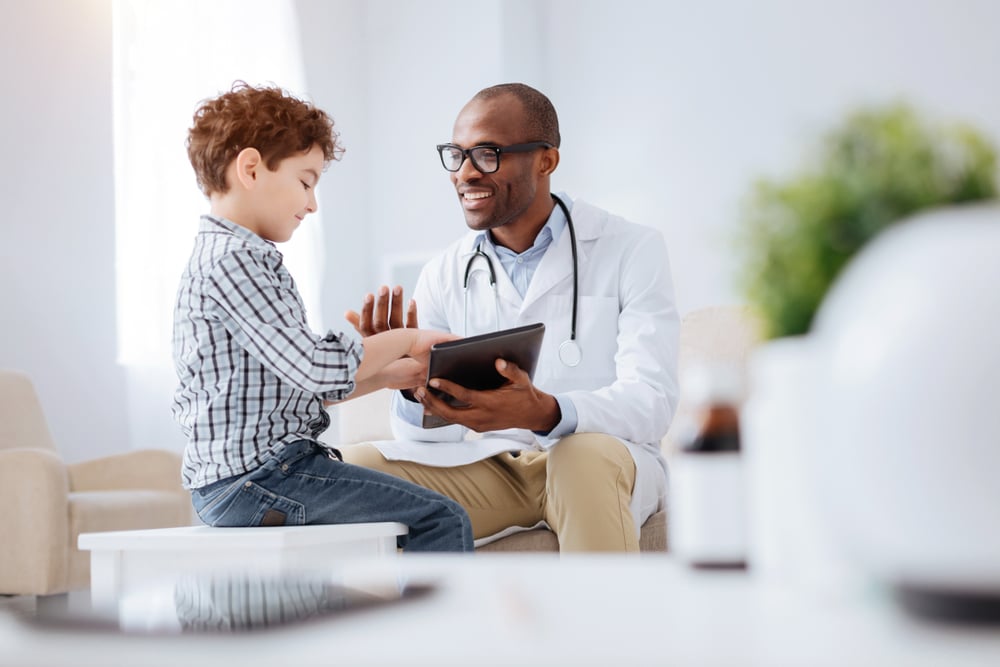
column 570, row 353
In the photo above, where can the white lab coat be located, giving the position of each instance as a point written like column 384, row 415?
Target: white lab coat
column 628, row 327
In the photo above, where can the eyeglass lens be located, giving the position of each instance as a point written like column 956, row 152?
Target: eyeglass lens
column 484, row 158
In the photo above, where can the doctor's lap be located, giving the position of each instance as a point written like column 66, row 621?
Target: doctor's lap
column 585, row 475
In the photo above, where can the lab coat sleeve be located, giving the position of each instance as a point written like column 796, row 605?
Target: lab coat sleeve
column 640, row 403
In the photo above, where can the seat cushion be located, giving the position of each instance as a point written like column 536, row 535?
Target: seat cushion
column 99, row 511
column 653, row 537
column 538, row 539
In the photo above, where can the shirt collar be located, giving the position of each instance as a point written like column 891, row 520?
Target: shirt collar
column 552, row 230
column 212, row 223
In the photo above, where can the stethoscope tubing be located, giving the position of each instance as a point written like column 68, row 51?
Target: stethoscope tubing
column 569, row 350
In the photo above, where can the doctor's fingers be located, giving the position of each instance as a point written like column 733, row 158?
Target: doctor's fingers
column 356, row 321
column 411, row 312
column 396, row 310
column 380, row 318
column 362, row 322
column 456, row 391
column 434, row 404
column 512, row 372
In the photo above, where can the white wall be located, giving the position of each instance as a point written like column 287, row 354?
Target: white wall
column 57, row 289
column 393, row 74
column 685, row 104
column 667, row 118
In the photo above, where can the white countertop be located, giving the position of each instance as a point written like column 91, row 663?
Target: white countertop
column 499, row 609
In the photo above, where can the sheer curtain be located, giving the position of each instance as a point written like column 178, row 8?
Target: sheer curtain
column 167, row 57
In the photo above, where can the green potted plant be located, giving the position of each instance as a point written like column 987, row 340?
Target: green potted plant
column 877, row 168
column 880, row 166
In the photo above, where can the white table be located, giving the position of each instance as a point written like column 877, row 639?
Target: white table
column 119, row 558
column 499, row 609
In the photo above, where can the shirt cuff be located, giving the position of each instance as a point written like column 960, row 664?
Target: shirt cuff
column 569, row 420
column 343, row 349
column 408, row 411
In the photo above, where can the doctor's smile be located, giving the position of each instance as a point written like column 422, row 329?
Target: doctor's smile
column 476, row 200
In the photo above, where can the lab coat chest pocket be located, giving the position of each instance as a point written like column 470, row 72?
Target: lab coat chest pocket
column 596, row 333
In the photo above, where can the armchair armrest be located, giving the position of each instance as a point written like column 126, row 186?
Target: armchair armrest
column 34, row 523
column 154, row 469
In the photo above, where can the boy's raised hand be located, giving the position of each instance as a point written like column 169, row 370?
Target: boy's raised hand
column 383, row 312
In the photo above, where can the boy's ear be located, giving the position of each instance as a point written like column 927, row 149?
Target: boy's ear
column 248, row 163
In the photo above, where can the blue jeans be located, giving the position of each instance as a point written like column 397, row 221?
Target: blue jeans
column 304, row 484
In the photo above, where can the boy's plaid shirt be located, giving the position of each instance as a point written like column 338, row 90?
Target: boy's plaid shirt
column 253, row 376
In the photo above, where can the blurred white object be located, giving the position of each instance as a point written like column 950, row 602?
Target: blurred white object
column 909, row 464
column 789, row 539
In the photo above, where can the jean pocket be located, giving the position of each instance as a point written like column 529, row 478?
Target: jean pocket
column 250, row 504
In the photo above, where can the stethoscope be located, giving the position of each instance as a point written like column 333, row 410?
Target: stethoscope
column 570, row 353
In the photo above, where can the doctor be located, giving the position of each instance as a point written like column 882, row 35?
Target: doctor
column 578, row 448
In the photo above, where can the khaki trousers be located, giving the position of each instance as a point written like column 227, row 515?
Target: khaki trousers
column 581, row 487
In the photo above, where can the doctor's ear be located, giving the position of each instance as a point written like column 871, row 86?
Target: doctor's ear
column 550, row 160
column 248, row 162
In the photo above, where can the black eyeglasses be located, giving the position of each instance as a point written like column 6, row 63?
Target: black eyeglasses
column 486, row 159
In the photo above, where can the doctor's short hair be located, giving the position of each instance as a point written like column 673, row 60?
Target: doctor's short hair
column 543, row 123
column 267, row 118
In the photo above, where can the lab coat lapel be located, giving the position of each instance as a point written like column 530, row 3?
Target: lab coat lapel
column 557, row 264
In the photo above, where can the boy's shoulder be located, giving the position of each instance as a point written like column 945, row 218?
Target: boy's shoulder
column 225, row 253
column 222, row 242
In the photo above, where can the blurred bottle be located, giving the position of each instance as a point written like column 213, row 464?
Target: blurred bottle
column 707, row 483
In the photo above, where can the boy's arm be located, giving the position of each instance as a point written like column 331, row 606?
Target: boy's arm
column 265, row 317
column 400, row 374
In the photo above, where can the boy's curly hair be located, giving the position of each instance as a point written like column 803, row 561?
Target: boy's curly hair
column 266, row 118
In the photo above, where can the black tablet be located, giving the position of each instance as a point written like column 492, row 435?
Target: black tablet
column 471, row 362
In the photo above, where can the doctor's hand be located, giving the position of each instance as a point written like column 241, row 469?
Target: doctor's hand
column 517, row 404
column 383, row 312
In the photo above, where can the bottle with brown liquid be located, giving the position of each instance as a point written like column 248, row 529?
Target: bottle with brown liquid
column 707, row 495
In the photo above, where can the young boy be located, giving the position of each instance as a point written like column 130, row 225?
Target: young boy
column 253, row 378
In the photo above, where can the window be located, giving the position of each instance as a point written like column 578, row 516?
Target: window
column 167, row 57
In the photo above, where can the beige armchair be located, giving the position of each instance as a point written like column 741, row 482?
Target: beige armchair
column 717, row 334
column 45, row 504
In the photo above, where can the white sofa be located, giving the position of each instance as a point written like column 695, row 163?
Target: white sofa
column 48, row 503
column 723, row 334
